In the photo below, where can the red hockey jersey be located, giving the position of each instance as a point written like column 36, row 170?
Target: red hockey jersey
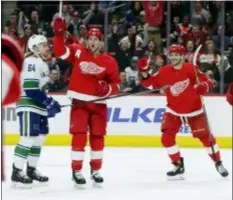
column 182, row 98
column 88, row 70
column 230, row 94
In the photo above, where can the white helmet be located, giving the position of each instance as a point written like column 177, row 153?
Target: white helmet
column 36, row 41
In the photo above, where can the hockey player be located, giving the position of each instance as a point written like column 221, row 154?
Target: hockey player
column 230, row 94
column 183, row 105
column 94, row 76
column 12, row 60
column 33, row 109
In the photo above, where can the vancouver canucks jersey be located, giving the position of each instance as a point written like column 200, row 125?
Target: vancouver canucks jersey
column 34, row 76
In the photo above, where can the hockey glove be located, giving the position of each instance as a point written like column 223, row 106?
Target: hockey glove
column 103, row 89
column 59, row 26
column 202, row 88
column 52, row 106
column 144, row 65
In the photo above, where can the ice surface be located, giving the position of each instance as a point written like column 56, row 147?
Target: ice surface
column 130, row 174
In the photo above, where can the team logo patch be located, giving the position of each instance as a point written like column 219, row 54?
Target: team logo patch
column 179, row 87
column 90, row 68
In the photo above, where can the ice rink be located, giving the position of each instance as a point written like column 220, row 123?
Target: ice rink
column 130, row 174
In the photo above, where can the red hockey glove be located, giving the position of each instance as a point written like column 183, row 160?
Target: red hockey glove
column 144, row 65
column 202, row 88
column 103, row 89
column 230, row 94
column 59, row 26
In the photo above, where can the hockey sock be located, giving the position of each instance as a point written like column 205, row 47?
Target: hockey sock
column 21, row 152
column 169, row 143
column 79, row 141
column 34, row 154
column 206, row 142
column 97, row 145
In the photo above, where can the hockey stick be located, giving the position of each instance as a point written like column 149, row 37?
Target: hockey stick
column 60, row 8
column 203, row 104
column 116, row 96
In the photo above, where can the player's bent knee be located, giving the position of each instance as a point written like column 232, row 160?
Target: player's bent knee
column 27, row 141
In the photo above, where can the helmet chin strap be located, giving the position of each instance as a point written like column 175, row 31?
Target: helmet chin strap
column 39, row 53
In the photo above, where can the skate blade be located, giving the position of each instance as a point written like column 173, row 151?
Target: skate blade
column 80, row 186
column 18, row 185
column 176, row 178
column 40, row 184
column 97, row 185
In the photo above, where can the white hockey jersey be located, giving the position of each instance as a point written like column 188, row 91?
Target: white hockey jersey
column 34, row 76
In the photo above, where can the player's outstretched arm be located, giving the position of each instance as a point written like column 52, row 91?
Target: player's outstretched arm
column 147, row 80
column 60, row 49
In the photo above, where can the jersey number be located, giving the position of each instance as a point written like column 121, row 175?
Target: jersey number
column 31, row 68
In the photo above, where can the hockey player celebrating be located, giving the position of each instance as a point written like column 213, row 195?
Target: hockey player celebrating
column 183, row 105
column 230, row 94
column 94, row 76
column 33, row 109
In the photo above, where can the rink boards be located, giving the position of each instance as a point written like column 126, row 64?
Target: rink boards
column 132, row 121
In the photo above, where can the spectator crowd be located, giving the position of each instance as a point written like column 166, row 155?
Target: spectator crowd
column 134, row 30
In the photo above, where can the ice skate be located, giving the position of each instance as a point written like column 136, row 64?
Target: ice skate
column 178, row 172
column 35, row 175
column 96, row 178
column 221, row 169
column 19, row 179
column 79, row 180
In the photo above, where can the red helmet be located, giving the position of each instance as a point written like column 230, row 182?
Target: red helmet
column 177, row 48
column 96, row 32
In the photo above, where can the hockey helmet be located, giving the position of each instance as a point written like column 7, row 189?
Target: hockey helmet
column 96, row 32
column 36, row 41
column 177, row 48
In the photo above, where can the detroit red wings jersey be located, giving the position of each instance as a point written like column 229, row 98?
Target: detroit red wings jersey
column 88, row 70
column 229, row 94
column 182, row 98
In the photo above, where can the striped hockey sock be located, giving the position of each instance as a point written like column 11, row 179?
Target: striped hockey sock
column 20, row 156
column 33, row 156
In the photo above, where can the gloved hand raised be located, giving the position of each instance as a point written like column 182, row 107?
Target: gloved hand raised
column 144, row 67
column 59, row 26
